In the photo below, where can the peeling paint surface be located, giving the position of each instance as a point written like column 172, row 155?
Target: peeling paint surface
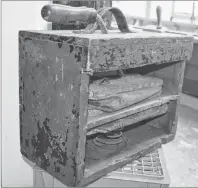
column 122, row 51
column 50, row 79
column 108, row 55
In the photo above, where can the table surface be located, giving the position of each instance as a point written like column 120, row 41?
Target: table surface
column 112, row 34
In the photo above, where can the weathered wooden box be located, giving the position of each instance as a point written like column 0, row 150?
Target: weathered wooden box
column 57, row 70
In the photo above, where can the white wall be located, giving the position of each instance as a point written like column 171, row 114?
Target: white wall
column 16, row 15
column 131, row 8
column 180, row 6
column 138, row 8
column 166, row 9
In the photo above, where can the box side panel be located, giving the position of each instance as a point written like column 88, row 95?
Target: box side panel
column 50, row 79
column 122, row 53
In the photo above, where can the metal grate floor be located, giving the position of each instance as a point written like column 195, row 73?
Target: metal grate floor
column 148, row 167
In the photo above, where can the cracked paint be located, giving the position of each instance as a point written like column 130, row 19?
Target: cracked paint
column 49, row 89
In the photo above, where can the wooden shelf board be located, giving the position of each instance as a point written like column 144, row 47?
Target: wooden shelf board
column 95, row 121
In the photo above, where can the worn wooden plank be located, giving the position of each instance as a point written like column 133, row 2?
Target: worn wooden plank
column 124, row 100
column 103, row 119
column 129, row 120
column 112, row 54
column 122, row 51
column 101, row 90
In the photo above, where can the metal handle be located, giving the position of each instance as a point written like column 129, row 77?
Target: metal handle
column 120, row 19
column 159, row 13
column 62, row 14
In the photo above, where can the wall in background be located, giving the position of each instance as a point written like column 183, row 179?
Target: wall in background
column 166, row 9
column 131, row 8
column 185, row 6
column 16, row 15
column 138, row 8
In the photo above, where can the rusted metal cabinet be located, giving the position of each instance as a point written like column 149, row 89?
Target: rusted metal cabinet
column 92, row 103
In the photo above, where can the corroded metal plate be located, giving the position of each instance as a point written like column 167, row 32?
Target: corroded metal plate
column 50, row 80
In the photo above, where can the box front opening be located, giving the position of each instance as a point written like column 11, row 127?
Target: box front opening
column 147, row 121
